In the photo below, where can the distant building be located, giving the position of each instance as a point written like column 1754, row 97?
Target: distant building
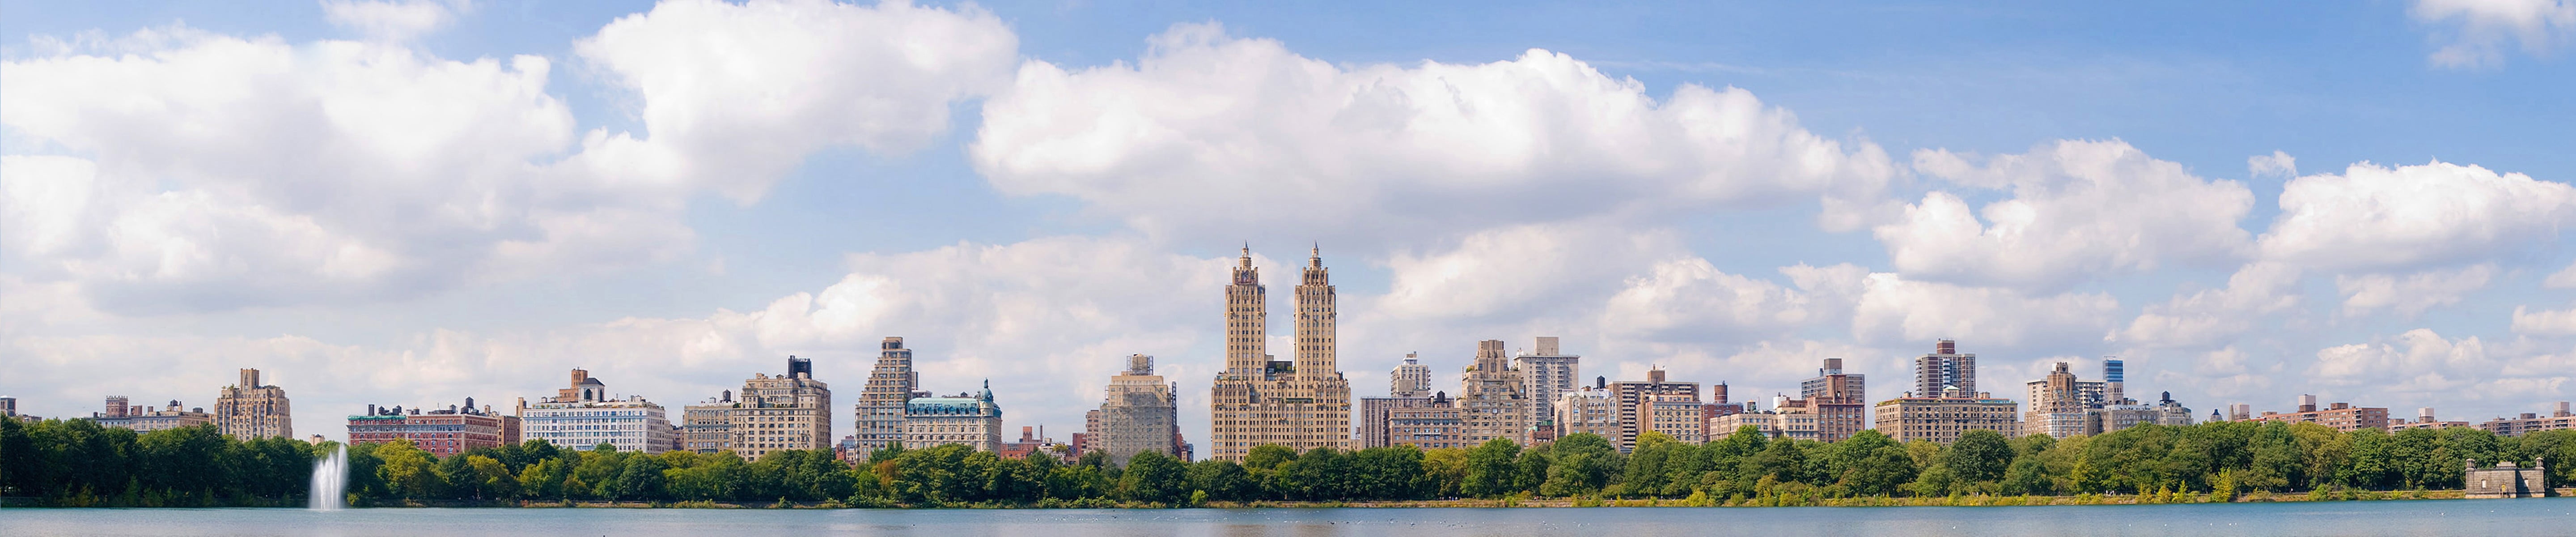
column 967, row 418
column 1637, row 399
column 880, row 410
column 2173, row 414
column 1782, row 421
column 2061, row 406
column 1409, row 379
column 707, row 427
column 1838, row 401
column 1495, row 401
column 1945, row 373
column 8, row 407
column 2424, row 420
column 1304, row 403
column 1138, row 413
column 248, row 409
column 2341, row 416
column 1549, row 373
column 442, row 432
column 2530, row 422
column 144, row 419
column 1942, row 419
column 582, row 416
column 790, row 411
column 1440, row 424
column 2504, row 480
column 1033, row 441
column 1590, row 410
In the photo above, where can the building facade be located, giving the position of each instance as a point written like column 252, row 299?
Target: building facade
column 248, row 409
column 2339, row 416
column 1945, row 372
column 144, row 419
column 1942, row 419
column 1779, row 422
column 583, row 417
column 2424, row 420
column 1590, row 410
column 1838, row 401
column 2061, row 406
column 790, row 411
column 1495, row 399
column 967, row 418
column 2532, row 422
column 1139, row 413
column 444, row 433
column 1409, row 379
column 1549, row 373
column 1637, row 398
column 2506, row 480
column 880, row 410
column 1408, row 386
column 707, row 427
column 1301, row 404
column 1677, row 418
column 1435, row 425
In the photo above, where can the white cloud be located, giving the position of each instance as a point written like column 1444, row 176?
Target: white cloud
column 1207, row 131
column 1894, row 309
column 734, row 96
column 1688, row 299
column 2544, row 322
column 2412, row 294
column 2563, row 279
column 2423, row 365
column 2407, row 217
column 2484, row 26
column 2277, row 164
column 1516, row 271
column 2211, row 317
column 2080, row 209
column 393, row 21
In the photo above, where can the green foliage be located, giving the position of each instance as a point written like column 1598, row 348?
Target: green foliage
column 78, row 463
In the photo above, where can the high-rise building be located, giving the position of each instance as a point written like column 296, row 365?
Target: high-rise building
column 1494, row 400
column 2060, row 405
column 966, row 418
column 1410, row 379
column 1942, row 419
column 881, row 403
column 442, row 432
column 1439, row 423
column 583, row 415
column 1550, row 373
column 2115, row 376
column 1944, row 372
column 791, row 411
column 1588, row 410
column 146, row 419
column 2532, row 422
column 707, row 427
column 1140, row 413
column 1838, row 401
column 248, row 409
column 1301, row 404
column 1638, row 404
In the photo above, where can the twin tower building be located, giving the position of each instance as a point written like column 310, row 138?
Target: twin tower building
column 1302, row 403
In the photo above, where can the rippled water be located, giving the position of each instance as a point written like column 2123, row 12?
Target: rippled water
column 2551, row 516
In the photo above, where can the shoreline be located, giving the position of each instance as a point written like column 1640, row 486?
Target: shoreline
column 1534, row 503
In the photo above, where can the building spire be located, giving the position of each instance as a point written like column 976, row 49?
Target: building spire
column 1247, row 254
column 1315, row 257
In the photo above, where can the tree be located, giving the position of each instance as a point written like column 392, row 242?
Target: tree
column 1979, row 456
column 1585, row 463
column 1869, row 464
column 1152, row 476
column 1491, row 469
column 1223, row 480
column 492, row 480
column 407, row 471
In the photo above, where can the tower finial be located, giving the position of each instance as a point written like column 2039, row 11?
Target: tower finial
column 1315, row 257
column 1247, row 254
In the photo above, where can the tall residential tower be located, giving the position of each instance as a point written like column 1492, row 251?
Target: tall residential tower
column 1302, row 404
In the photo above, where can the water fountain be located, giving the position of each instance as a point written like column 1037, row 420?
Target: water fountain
column 330, row 480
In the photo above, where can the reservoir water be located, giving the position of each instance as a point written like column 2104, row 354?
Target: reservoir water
column 2549, row 516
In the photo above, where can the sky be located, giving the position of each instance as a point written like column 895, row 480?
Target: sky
column 413, row 202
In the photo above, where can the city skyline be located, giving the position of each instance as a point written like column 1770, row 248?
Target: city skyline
column 414, row 201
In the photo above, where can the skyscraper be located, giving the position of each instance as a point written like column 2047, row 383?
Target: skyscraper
column 1302, row 404
column 1495, row 401
column 1139, row 414
column 1645, row 405
column 1408, row 386
column 1839, row 400
column 248, row 409
column 2059, row 404
column 1550, row 374
column 1410, row 379
column 791, row 411
column 1945, row 373
column 880, row 408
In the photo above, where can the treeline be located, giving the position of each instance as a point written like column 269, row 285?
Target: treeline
column 76, row 463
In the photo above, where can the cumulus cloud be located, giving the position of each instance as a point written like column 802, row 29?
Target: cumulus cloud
column 2079, row 209
column 2379, row 218
column 1688, row 299
column 2481, row 29
column 1211, row 131
column 2277, row 164
column 2211, row 317
column 203, row 172
column 735, row 95
column 2412, row 294
column 1895, row 309
column 2423, row 363
column 393, row 21
column 2563, row 279
column 2544, row 322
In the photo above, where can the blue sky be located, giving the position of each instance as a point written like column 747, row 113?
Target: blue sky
column 1031, row 191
